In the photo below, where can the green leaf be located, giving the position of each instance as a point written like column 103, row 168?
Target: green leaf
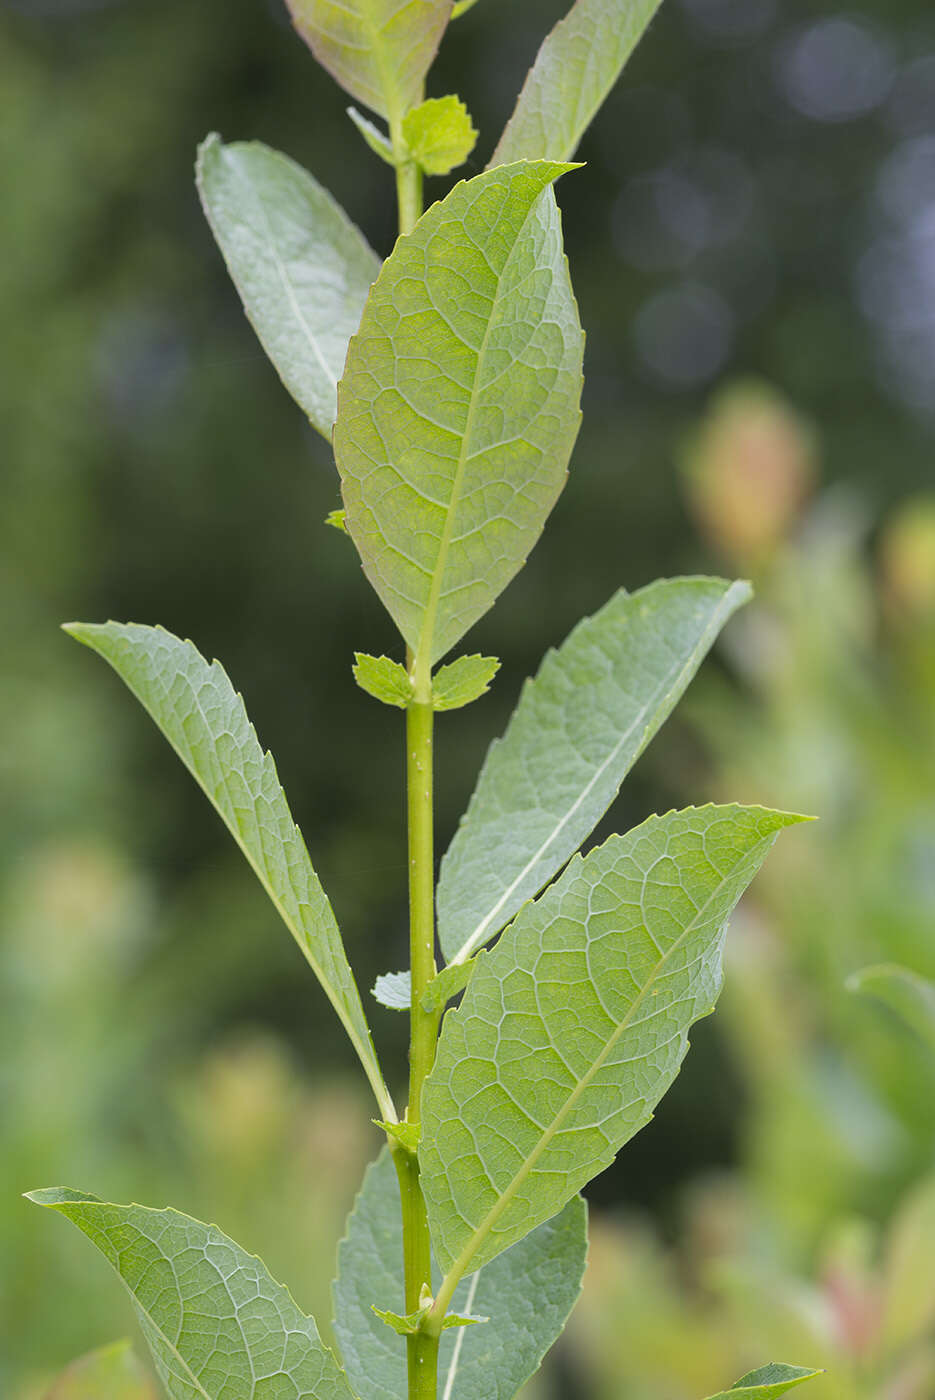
column 374, row 137
column 198, row 711
column 302, row 269
column 573, row 1027
column 767, row 1383
column 378, row 50
column 912, row 997
column 460, row 1320
column 384, row 679
column 459, row 404
column 439, row 134
column 216, row 1323
column 527, row 1293
column 461, row 7
column 446, row 984
column 406, row 1134
column 578, row 729
column 393, row 990
column 409, row 1325
column 110, row 1373
column 462, row 681
column 403, row 1326
column 335, row 518
column 575, row 69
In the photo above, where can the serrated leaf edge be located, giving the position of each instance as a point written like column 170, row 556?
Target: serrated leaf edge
column 79, row 1198
column 365, row 1050
column 736, row 594
column 461, row 1264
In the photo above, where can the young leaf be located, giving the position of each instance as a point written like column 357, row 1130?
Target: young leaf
column 384, row 679
column 403, row 1326
column 378, row 50
column 335, row 518
column 461, row 7
column 462, row 681
column 198, row 711
column 110, row 1373
column 393, row 990
column 406, row 1134
column 409, row 1325
column 458, row 407
column 573, row 1027
column 912, row 997
column 575, row 69
column 302, row 269
column 578, row 729
column 439, row 135
column 527, row 1294
column 216, row 1323
column 767, row 1383
column 374, row 137
column 447, row 984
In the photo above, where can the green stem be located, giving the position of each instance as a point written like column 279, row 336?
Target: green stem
column 417, row 1257
column 422, row 1349
column 423, row 1025
column 408, row 180
column 409, row 194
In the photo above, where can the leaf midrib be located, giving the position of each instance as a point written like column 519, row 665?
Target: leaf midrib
column 336, row 995
column 463, row 1260
column 459, row 1339
column 283, row 275
column 645, row 717
column 87, row 1206
column 423, row 651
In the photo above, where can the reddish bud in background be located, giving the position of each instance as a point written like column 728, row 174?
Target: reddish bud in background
column 748, row 470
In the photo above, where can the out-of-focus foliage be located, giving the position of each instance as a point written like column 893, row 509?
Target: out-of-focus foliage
column 756, row 201
column 110, row 1373
column 837, row 706
column 668, row 1323
column 912, row 997
column 824, row 1246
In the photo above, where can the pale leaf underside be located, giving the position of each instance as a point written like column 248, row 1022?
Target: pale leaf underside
column 575, row 1024
column 218, row 1326
column 378, row 50
column 204, row 719
column 302, row 269
column 459, row 404
column 579, row 727
column 575, row 69
column 526, row 1294
column 394, row 990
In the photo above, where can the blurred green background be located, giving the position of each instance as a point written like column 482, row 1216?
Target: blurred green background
column 753, row 246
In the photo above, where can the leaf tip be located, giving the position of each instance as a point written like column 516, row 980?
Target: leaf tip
column 53, row 1196
column 205, row 150
column 80, row 631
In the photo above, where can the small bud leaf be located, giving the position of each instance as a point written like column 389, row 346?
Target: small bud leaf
column 439, row 134
column 384, row 679
column 462, row 681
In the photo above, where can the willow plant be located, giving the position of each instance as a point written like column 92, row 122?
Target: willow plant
column 449, row 379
